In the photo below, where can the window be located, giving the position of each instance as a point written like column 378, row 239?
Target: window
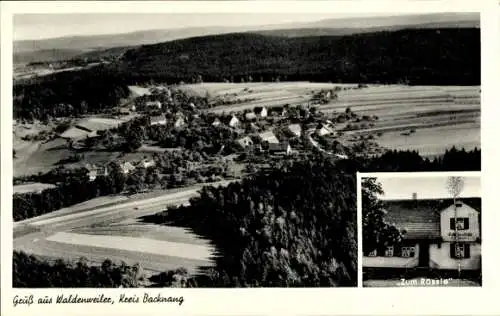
column 408, row 252
column 373, row 253
column 461, row 223
column 460, row 250
column 389, row 251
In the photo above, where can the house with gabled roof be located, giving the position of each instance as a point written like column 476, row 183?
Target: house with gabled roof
column 233, row 121
column 295, row 129
column 94, row 171
column 245, row 142
column 157, row 120
column 268, row 137
column 126, row 167
column 260, row 111
column 283, row 148
column 323, row 130
column 445, row 239
column 250, row 116
column 216, row 122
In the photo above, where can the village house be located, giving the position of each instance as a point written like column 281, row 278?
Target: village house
column 268, row 137
column 158, row 120
column 250, row 116
column 449, row 239
column 260, row 111
column 233, row 121
column 295, row 129
column 152, row 106
column 283, row 148
column 146, row 163
column 216, row 122
column 127, row 167
column 180, row 122
column 284, row 112
column 324, row 129
column 95, row 171
column 245, row 142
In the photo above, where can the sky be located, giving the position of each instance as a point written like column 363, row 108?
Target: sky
column 40, row 26
column 426, row 187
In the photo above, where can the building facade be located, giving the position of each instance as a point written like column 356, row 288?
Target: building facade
column 446, row 240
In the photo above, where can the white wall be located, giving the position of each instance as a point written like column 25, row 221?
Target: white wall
column 440, row 257
column 463, row 211
column 391, row 262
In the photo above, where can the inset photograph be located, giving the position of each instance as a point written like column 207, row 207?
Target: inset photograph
column 421, row 229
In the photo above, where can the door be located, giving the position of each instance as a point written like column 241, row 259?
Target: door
column 423, row 256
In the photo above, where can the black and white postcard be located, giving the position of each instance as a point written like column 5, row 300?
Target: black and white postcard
column 160, row 155
column 421, row 229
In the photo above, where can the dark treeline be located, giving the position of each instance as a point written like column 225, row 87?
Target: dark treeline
column 69, row 93
column 410, row 161
column 292, row 225
column 29, row 271
column 75, row 187
column 448, row 56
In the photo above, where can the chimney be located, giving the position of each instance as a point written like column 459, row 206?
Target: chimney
column 414, row 196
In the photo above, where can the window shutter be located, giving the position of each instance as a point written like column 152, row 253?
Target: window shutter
column 452, row 223
column 466, row 223
column 452, row 250
column 467, row 250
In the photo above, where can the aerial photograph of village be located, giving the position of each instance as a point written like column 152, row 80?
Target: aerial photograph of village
column 222, row 150
column 421, row 230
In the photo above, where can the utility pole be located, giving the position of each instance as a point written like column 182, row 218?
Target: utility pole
column 455, row 186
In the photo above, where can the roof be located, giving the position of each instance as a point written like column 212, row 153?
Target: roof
column 244, row 141
column 269, row 137
column 157, row 118
column 420, row 218
column 278, row 147
column 419, row 223
column 128, row 165
column 295, row 128
column 250, row 115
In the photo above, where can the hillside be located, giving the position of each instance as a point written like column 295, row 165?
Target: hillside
column 425, row 56
column 67, row 47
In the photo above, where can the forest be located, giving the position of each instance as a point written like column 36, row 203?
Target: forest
column 68, row 94
column 30, row 271
column 447, row 56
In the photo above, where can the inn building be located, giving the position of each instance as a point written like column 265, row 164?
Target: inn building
column 448, row 238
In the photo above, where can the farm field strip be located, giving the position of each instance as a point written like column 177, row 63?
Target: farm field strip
column 391, row 104
column 372, row 92
column 31, row 187
column 171, row 196
column 96, row 255
column 105, row 211
column 138, row 229
column 141, row 245
column 408, row 126
column 403, row 108
column 425, row 119
column 403, row 96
